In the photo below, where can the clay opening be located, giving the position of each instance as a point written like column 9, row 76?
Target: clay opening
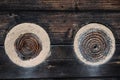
column 95, row 46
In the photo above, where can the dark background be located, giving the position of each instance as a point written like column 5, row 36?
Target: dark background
column 61, row 19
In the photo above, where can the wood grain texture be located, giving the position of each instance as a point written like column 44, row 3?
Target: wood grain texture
column 61, row 64
column 60, row 4
column 61, row 27
column 61, row 19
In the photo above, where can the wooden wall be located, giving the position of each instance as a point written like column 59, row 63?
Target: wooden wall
column 61, row 19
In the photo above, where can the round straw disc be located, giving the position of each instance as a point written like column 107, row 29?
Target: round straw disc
column 94, row 44
column 27, row 45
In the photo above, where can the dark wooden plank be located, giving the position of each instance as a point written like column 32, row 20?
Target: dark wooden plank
column 62, row 63
column 61, row 19
column 6, row 21
column 99, row 4
column 60, row 4
column 61, row 26
column 37, row 4
column 71, row 78
column 74, row 79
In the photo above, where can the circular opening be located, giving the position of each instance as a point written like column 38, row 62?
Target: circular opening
column 95, row 46
column 28, row 46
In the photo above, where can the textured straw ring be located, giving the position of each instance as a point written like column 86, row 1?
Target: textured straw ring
column 27, row 45
column 94, row 44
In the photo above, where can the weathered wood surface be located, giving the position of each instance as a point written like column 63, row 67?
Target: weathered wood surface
column 61, row 64
column 61, row 19
column 61, row 27
column 60, row 4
